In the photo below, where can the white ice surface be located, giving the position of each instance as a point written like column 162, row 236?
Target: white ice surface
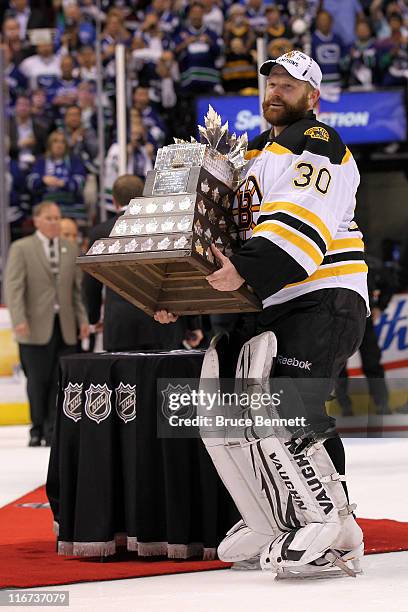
column 378, row 482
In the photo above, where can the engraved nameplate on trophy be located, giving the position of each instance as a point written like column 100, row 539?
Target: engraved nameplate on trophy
column 175, row 181
column 159, row 253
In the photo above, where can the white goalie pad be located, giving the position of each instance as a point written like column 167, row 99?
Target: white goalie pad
column 237, row 469
column 316, row 489
column 304, row 553
column 293, row 505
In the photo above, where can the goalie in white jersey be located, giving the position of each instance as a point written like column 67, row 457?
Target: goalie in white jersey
column 304, row 257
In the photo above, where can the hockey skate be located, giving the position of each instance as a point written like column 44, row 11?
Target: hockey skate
column 334, row 564
column 341, row 559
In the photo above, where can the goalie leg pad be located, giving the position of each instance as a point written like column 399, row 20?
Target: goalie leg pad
column 237, row 470
column 317, row 490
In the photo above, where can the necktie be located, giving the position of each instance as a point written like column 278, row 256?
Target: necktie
column 53, row 257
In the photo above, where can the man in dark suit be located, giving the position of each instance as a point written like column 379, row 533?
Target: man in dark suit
column 27, row 135
column 29, row 18
column 126, row 327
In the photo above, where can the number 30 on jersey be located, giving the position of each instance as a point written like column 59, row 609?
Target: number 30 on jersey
column 307, row 175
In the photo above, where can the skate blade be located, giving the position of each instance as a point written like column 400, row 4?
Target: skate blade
column 336, row 559
column 247, row 565
column 313, row 572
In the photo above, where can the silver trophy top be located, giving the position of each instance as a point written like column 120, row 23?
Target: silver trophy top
column 216, row 147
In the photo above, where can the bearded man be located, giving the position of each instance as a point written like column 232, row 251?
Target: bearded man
column 304, row 257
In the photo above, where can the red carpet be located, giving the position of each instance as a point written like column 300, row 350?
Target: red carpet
column 28, row 557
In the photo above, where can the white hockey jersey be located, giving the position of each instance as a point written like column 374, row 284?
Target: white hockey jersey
column 295, row 210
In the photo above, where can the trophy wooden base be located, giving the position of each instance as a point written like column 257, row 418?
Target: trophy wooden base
column 177, row 285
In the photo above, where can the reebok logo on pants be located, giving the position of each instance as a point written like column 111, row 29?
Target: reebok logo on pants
column 295, row 363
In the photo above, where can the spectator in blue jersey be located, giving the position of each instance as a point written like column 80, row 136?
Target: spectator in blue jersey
column 328, row 49
column 41, row 67
column 168, row 20
column 198, row 50
column 362, row 58
column 139, row 152
column 162, row 82
column 393, row 54
column 75, row 29
column 213, row 16
column 114, row 32
column 345, row 14
column 155, row 128
column 16, row 82
column 151, row 38
column 148, row 46
column 65, row 87
column 255, row 12
column 381, row 12
column 59, row 177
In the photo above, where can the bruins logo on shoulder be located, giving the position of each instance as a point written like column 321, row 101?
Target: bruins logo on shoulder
column 317, row 132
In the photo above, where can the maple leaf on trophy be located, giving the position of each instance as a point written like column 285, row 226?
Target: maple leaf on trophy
column 215, row 134
column 217, row 137
column 237, row 148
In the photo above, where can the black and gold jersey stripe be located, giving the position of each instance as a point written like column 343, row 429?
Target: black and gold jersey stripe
column 344, row 256
column 297, row 224
column 340, row 270
column 290, row 236
column 299, row 211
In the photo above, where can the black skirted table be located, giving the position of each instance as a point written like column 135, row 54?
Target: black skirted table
column 112, row 481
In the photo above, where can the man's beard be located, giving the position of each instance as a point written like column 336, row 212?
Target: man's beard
column 287, row 114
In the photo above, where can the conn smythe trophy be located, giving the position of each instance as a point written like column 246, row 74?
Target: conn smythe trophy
column 158, row 253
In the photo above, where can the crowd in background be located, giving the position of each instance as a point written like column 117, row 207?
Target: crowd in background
column 175, row 50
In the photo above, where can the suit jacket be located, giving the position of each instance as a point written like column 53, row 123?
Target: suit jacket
column 31, row 290
column 40, row 135
column 126, row 327
column 37, row 19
